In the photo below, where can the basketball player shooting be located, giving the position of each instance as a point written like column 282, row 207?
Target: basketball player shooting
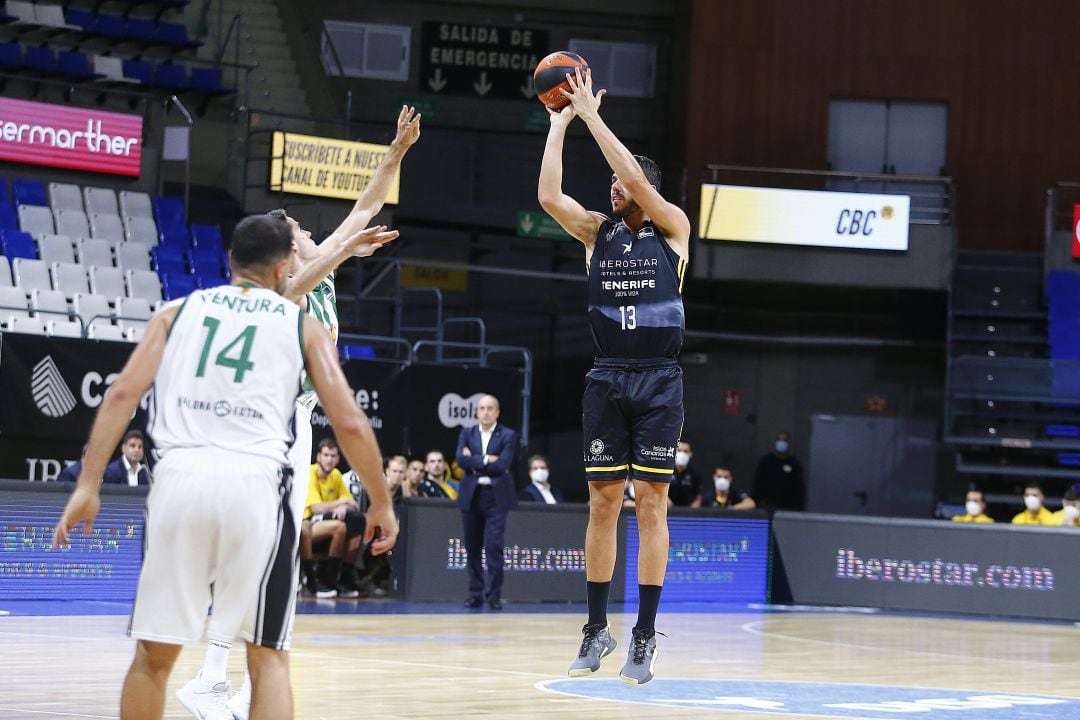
column 632, row 408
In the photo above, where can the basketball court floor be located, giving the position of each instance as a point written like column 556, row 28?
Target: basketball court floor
column 387, row 659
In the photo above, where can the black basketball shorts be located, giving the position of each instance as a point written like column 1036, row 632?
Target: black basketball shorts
column 632, row 416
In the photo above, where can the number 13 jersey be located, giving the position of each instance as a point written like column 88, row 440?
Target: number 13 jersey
column 635, row 293
column 230, row 373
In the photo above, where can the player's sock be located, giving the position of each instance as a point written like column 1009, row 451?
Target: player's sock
column 217, row 659
column 648, row 602
column 598, row 597
column 307, row 570
column 332, row 567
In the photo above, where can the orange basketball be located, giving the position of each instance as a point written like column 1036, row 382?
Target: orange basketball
column 549, row 78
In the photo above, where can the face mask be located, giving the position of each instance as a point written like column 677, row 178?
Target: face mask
column 1071, row 513
column 1032, row 502
column 539, row 475
column 722, row 484
column 973, row 508
column 782, row 446
column 682, row 459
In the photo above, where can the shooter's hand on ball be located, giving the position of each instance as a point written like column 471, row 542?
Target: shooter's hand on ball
column 380, row 518
column 585, row 103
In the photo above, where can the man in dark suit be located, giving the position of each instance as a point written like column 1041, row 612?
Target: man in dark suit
column 540, row 489
column 487, row 494
column 129, row 469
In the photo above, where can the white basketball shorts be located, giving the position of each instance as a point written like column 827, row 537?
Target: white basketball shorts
column 219, row 532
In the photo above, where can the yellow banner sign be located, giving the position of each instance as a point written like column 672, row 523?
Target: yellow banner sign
column 414, row 276
column 327, row 167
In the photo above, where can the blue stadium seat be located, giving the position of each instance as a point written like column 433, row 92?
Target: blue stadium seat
column 167, row 259
column 141, row 70
column 75, row 64
column 174, row 34
column 4, row 192
column 30, row 192
column 15, row 244
column 208, row 80
column 143, row 29
column 167, row 208
column 172, row 232
column 357, row 352
column 204, row 268
column 42, row 59
column 210, row 279
column 1069, row 431
column 81, row 18
column 206, row 236
column 177, row 285
column 171, row 76
column 8, row 219
column 11, row 55
column 110, row 25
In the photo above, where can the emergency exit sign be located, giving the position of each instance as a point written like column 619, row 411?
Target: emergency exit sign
column 481, row 61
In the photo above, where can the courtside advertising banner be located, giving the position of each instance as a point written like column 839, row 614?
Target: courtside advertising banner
column 325, row 167
column 70, row 137
column 804, row 217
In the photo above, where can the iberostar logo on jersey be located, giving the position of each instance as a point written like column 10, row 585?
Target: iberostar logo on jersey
column 51, row 392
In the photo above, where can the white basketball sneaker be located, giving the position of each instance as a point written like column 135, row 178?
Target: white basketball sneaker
column 204, row 700
column 240, row 704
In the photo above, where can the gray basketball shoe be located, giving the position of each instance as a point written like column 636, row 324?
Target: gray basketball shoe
column 595, row 646
column 640, row 658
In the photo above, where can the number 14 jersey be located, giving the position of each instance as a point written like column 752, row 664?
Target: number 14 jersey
column 635, row 293
column 230, row 374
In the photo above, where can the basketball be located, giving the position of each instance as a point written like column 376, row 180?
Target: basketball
column 549, row 78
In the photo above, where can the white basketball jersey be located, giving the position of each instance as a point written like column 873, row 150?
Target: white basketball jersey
column 230, row 374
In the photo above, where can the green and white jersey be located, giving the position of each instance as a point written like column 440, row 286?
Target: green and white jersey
column 321, row 305
column 230, row 374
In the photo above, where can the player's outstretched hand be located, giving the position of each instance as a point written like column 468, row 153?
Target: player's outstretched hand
column 368, row 240
column 382, row 528
column 408, row 126
column 562, row 116
column 585, row 102
column 82, row 506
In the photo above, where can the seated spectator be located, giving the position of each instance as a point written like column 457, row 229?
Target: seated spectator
column 334, row 516
column 686, row 484
column 540, row 488
column 723, row 493
column 975, row 507
column 414, row 473
column 434, row 484
column 129, row 469
column 778, row 482
column 1069, row 514
column 71, row 472
column 395, row 477
column 1035, row 513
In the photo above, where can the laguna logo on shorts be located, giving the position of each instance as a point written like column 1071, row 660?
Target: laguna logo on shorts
column 51, row 393
column 596, row 446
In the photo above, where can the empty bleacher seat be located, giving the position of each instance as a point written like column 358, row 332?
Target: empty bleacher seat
column 168, row 209
column 106, row 281
column 13, row 302
column 42, row 59
column 64, row 196
column 4, row 199
column 357, row 352
column 72, row 223
column 74, row 64
column 111, row 69
column 64, row 328
column 135, row 334
column 140, row 71
column 5, row 272
column 206, row 236
column 106, row 227
column 175, row 34
column 110, row 25
column 8, row 219
column 171, row 76
column 11, row 55
column 55, row 248
column 144, row 284
column 102, row 331
column 30, row 274
column 144, row 29
column 26, row 325
column 167, row 259
column 132, row 256
column 135, row 204
column 94, row 252
column 70, row 278
column 81, row 18
column 50, row 304
column 177, row 285
column 50, row 15
column 37, row 220
column 208, row 80
column 16, row 244
column 29, row 192
column 100, row 200
column 132, row 312
column 90, row 305
column 21, row 10
column 141, row 230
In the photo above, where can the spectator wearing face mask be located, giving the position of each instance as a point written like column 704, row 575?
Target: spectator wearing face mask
column 723, row 493
column 778, row 482
column 974, row 509
column 540, row 488
column 1035, row 513
column 1069, row 514
column 685, row 483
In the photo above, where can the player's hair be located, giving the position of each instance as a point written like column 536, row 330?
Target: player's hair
column 534, row 458
column 651, row 170
column 279, row 213
column 972, row 489
column 328, row 442
column 436, row 450
column 259, row 241
column 396, row 458
column 130, row 434
column 723, row 467
column 1033, row 486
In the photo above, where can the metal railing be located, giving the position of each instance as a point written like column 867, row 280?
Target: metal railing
column 933, row 199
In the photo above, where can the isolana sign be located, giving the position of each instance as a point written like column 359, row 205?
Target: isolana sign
column 70, row 137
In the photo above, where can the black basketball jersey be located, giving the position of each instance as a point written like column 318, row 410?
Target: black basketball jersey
column 635, row 293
